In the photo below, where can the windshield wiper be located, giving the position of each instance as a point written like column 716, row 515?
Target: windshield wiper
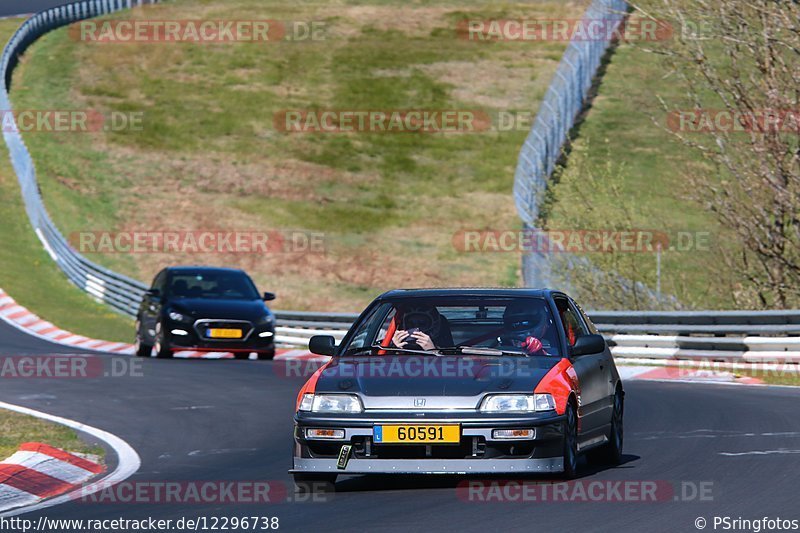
column 405, row 350
column 372, row 350
column 480, row 350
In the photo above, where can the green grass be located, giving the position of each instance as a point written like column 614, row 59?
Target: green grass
column 209, row 156
column 626, row 171
column 30, row 276
column 16, row 429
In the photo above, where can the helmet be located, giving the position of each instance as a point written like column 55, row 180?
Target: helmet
column 424, row 318
column 522, row 320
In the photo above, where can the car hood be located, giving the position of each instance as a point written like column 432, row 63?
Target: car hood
column 397, row 382
column 251, row 310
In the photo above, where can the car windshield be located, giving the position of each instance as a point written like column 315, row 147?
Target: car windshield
column 212, row 285
column 457, row 326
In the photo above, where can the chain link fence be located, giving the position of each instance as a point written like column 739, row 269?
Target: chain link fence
column 563, row 103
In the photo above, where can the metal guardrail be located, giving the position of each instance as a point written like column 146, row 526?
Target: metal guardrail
column 564, row 100
column 119, row 291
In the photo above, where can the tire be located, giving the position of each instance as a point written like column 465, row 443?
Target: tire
column 570, row 454
column 314, row 482
column 140, row 347
column 162, row 347
column 611, row 453
column 267, row 355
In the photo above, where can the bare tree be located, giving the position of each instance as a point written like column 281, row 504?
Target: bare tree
column 738, row 62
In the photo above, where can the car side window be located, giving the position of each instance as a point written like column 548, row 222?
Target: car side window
column 573, row 325
column 586, row 320
column 363, row 337
column 160, row 282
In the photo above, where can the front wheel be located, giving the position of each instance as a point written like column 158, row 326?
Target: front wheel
column 267, row 355
column 570, row 454
column 611, row 453
column 163, row 350
column 140, row 348
column 314, row 482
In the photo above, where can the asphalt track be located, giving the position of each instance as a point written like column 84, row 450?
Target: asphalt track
column 13, row 7
column 200, row 420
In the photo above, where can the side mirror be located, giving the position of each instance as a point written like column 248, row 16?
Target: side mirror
column 155, row 293
column 588, row 344
column 269, row 296
column 322, row 345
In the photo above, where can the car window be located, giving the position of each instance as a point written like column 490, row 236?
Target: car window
column 212, row 285
column 453, row 322
column 365, row 334
column 570, row 319
column 160, row 281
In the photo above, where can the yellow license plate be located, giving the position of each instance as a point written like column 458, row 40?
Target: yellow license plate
column 216, row 333
column 417, row 434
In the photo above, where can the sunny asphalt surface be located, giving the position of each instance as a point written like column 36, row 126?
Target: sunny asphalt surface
column 193, row 420
column 14, row 7
column 232, row 421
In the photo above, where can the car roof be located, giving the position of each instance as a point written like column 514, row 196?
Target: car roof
column 202, row 269
column 488, row 292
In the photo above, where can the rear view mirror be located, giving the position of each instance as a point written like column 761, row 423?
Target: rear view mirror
column 322, row 345
column 588, row 344
column 269, row 296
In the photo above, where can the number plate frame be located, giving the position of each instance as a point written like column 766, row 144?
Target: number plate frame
column 451, row 434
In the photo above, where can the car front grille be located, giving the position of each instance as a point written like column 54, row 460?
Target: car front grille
column 201, row 327
column 468, row 448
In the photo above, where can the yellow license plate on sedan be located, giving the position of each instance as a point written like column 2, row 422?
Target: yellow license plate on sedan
column 417, row 434
column 219, row 333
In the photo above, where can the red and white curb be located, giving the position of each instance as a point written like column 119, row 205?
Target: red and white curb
column 21, row 318
column 38, row 471
column 68, row 473
column 677, row 373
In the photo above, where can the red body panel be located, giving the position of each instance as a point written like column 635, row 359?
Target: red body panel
column 560, row 382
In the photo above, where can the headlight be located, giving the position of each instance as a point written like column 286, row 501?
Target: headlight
column 518, row 403
column 306, row 402
column 177, row 317
column 330, row 403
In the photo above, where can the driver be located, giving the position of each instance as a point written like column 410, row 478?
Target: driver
column 422, row 327
column 525, row 326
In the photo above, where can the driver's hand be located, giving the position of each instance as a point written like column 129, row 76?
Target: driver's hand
column 423, row 340
column 532, row 345
column 399, row 338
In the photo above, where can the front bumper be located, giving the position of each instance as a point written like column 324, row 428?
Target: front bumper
column 192, row 339
column 477, row 453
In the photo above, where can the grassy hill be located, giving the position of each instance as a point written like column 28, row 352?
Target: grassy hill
column 209, row 157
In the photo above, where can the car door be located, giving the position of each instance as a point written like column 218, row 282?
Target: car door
column 610, row 374
column 150, row 309
column 590, row 369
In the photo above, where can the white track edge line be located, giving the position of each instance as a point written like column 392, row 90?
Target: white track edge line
column 128, row 461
